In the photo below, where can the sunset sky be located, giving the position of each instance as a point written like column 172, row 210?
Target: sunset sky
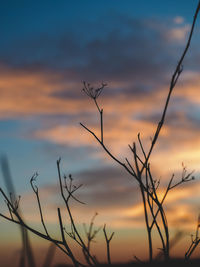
column 47, row 49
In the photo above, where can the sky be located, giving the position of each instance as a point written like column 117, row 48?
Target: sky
column 47, row 49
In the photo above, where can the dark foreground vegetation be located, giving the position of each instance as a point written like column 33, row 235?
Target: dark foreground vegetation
column 174, row 262
column 140, row 170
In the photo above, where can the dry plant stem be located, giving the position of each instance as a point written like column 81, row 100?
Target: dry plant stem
column 61, row 244
column 149, row 229
column 26, row 251
column 188, row 178
column 147, row 225
column 144, row 203
column 130, row 171
column 194, row 242
column 67, row 205
column 58, row 243
column 153, row 215
column 185, row 178
column 35, row 190
column 101, row 118
column 13, row 208
column 101, row 114
column 148, row 175
column 174, row 79
column 165, row 225
column 173, row 82
column 160, row 209
column 138, row 173
column 84, row 248
column 191, row 249
column 64, row 240
column 175, row 239
column 138, row 260
column 91, row 234
column 102, row 144
column 22, row 223
column 163, row 218
column 108, row 240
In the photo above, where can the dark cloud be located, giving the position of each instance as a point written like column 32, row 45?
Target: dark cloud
column 104, row 188
column 134, row 51
column 109, row 187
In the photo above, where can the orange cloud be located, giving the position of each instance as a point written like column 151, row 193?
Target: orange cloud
column 189, row 87
column 178, row 33
column 178, row 20
column 182, row 201
column 25, row 93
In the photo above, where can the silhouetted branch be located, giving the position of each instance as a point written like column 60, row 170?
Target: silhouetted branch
column 76, row 236
column 194, row 242
column 108, row 240
column 94, row 94
column 26, row 251
column 13, row 208
column 148, row 190
column 90, row 233
column 35, row 190
column 173, row 82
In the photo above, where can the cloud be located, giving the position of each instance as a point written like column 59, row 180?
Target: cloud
column 131, row 49
column 128, row 59
column 137, row 70
column 27, row 93
column 42, row 83
column 125, row 115
column 116, row 136
column 116, row 197
column 103, row 190
column 178, row 20
column 178, row 33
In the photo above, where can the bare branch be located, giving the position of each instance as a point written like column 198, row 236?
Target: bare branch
column 108, row 240
column 173, row 82
column 35, row 190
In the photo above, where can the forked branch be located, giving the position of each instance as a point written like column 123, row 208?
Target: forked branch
column 108, row 240
column 148, row 190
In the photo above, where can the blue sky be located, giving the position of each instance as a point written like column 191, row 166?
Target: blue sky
column 48, row 48
column 66, row 42
column 28, row 21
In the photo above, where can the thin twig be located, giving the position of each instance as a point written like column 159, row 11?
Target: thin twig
column 35, row 190
column 108, row 240
column 173, row 82
column 76, row 232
